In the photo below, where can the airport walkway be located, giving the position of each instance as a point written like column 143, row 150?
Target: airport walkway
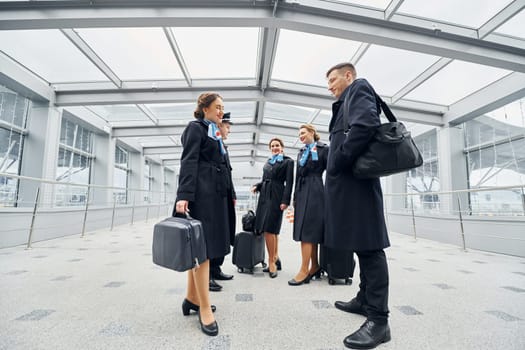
column 103, row 292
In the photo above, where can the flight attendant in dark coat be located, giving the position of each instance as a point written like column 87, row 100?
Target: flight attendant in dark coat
column 308, row 202
column 216, row 263
column 275, row 194
column 353, row 207
column 202, row 191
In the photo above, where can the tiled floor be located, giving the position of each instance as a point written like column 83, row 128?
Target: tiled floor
column 103, row 292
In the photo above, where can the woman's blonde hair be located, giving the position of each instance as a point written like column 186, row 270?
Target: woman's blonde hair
column 311, row 129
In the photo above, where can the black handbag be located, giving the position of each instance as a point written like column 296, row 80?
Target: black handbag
column 248, row 221
column 179, row 243
column 392, row 150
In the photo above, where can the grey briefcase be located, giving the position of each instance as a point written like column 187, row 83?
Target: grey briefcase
column 178, row 243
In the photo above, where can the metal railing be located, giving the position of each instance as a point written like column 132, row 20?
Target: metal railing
column 50, row 196
column 500, row 203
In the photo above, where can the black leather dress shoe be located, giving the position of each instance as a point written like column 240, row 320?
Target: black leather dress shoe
column 370, row 335
column 353, row 306
column 214, row 286
column 211, row 329
column 187, row 306
column 221, row 276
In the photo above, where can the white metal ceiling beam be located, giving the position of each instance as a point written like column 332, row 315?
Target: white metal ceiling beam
column 15, row 77
column 406, row 111
column 165, row 130
column 358, row 27
column 496, row 95
column 178, row 54
column 91, row 55
column 266, row 55
column 504, row 15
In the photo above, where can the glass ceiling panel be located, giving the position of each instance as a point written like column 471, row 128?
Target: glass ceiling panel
column 49, row 54
column 385, row 80
column 380, row 4
column 455, row 81
column 173, row 113
column 265, row 138
column 514, row 26
column 322, row 121
column 182, row 113
column 134, row 53
column 305, row 58
column 239, row 137
column 470, row 13
column 156, row 141
column 284, row 112
column 512, row 114
column 232, row 55
column 120, row 113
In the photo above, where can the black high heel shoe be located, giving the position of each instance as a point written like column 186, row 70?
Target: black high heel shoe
column 306, row 280
column 316, row 274
column 277, row 263
column 211, row 329
column 187, row 306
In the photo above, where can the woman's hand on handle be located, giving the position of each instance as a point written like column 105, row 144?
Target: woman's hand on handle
column 283, row 206
column 182, row 207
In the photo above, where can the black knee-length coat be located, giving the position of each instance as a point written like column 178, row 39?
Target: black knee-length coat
column 309, row 197
column 275, row 189
column 203, row 181
column 353, row 207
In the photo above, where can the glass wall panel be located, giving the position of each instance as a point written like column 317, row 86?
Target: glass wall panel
column 495, row 149
column 13, row 115
column 73, row 164
column 147, row 182
column 425, row 178
column 120, row 175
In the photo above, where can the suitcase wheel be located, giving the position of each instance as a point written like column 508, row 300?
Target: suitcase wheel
column 240, row 270
column 250, row 271
column 348, row 281
column 331, row 281
column 264, row 264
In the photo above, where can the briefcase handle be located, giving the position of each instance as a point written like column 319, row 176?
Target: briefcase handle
column 184, row 216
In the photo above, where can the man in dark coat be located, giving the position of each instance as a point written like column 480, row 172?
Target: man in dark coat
column 354, row 207
column 216, row 263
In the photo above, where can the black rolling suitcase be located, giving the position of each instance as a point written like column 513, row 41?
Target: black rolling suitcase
column 248, row 251
column 337, row 264
column 178, row 243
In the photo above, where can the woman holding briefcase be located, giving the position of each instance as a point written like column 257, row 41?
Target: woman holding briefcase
column 202, row 191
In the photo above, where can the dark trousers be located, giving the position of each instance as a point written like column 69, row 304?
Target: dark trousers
column 373, row 289
column 215, row 266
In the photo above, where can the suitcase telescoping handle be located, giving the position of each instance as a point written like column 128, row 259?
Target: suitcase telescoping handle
column 187, row 216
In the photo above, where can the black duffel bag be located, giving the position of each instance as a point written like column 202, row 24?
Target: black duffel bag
column 392, row 150
column 248, row 221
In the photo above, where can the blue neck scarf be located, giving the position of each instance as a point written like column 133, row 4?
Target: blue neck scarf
column 215, row 133
column 276, row 158
column 309, row 149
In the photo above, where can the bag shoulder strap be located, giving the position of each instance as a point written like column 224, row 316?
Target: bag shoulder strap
column 384, row 107
column 386, row 110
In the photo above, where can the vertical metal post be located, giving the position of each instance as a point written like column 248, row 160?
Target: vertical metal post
column 523, row 200
column 413, row 217
column 147, row 212
column 461, row 224
column 132, row 210
column 113, row 214
column 85, row 213
column 30, row 238
column 158, row 211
